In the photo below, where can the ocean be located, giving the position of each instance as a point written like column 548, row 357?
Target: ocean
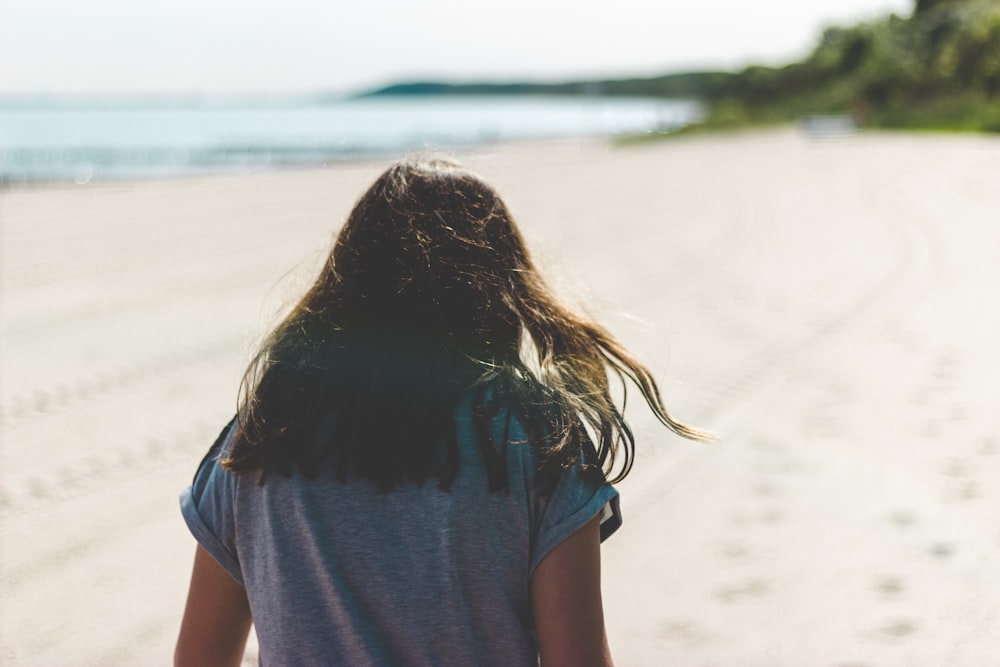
column 81, row 141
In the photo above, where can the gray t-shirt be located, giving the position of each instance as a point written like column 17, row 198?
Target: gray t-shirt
column 345, row 574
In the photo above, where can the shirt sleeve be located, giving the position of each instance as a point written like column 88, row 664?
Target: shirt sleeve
column 208, row 508
column 574, row 502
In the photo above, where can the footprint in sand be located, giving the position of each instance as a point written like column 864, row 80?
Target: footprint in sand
column 890, row 586
column 941, row 550
column 898, row 629
column 961, row 488
column 956, row 468
column 902, row 519
column 968, row 492
column 751, row 588
column 944, row 367
column 735, row 552
column 38, row 488
column 688, row 632
column 68, row 476
column 771, row 516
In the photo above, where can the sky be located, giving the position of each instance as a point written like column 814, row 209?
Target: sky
column 223, row 46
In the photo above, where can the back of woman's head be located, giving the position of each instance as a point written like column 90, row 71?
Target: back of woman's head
column 430, row 252
column 429, row 293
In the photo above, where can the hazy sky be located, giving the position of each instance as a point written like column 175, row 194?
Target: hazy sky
column 246, row 45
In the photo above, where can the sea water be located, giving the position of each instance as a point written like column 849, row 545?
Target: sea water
column 57, row 140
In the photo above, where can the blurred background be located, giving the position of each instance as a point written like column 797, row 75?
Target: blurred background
column 787, row 209
column 115, row 90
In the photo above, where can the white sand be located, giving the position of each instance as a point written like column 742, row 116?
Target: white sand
column 829, row 306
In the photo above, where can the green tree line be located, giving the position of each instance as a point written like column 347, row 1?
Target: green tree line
column 937, row 69
column 683, row 85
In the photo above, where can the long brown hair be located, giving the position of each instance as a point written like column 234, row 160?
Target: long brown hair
column 429, row 293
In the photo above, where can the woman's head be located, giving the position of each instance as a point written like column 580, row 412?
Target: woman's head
column 428, row 292
column 431, row 252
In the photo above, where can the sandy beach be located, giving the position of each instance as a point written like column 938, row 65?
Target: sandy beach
column 824, row 305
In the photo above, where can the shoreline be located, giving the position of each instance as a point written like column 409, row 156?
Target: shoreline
column 51, row 143
column 278, row 168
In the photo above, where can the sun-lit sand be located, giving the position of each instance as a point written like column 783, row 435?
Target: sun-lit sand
column 828, row 306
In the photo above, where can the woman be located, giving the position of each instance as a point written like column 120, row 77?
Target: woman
column 420, row 468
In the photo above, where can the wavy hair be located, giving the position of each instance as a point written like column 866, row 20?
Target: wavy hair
column 430, row 293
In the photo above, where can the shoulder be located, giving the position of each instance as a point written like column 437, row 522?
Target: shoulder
column 220, row 447
column 207, row 505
